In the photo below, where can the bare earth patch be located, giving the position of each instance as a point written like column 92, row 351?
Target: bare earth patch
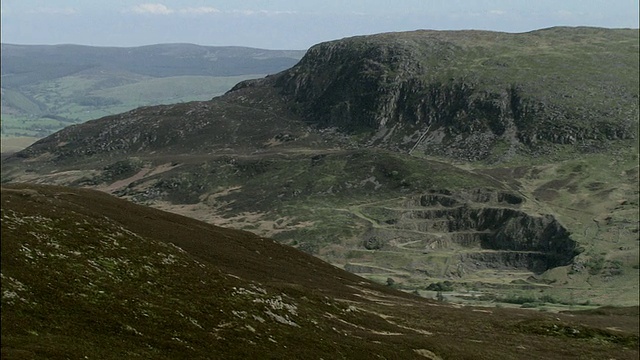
column 249, row 221
column 143, row 173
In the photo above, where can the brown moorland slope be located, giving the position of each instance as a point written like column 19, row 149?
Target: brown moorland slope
column 85, row 274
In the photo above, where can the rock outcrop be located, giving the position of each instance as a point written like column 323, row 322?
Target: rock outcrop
column 459, row 94
column 485, row 227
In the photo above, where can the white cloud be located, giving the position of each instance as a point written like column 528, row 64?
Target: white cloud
column 200, row 10
column 161, row 9
column 497, row 12
column 154, row 9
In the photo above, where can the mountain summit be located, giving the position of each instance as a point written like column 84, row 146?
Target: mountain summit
column 442, row 92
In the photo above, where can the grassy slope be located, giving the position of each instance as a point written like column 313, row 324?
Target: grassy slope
column 574, row 60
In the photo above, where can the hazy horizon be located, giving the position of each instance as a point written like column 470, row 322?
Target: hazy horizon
column 285, row 24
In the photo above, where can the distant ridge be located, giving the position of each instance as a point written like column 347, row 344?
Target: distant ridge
column 48, row 87
column 161, row 60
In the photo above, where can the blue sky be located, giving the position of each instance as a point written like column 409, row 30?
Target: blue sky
column 286, row 24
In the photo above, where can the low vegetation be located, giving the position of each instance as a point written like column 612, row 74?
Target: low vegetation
column 85, row 274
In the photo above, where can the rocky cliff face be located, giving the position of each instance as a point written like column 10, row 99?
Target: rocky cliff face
column 349, row 84
column 485, row 226
column 461, row 93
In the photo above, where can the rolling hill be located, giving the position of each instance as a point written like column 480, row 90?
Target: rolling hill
column 85, row 274
column 45, row 88
column 494, row 167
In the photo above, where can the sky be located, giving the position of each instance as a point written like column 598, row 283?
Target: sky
column 286, row 24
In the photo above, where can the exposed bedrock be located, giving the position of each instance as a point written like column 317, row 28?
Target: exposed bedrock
column 394, row 87
column 494, row 234
column 447, row 198
column 536, row 262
